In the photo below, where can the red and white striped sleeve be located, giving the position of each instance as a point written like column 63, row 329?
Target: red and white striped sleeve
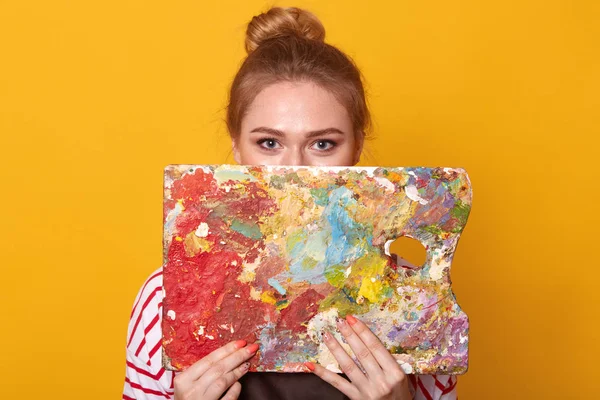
column 433, row 387
column 145, row 378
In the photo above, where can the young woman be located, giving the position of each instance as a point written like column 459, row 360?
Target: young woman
column 295, row 101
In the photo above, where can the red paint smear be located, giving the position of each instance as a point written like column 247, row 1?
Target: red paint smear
column 255, row 202
column 420, row 182
column 189, row 221
column 302, row 309
column 192, row 186
column 269, row 267
column 190, row 282
column 203, row 289
column 188, row 188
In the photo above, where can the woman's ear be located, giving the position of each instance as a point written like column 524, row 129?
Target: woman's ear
column 359, row 147
column 236, row 152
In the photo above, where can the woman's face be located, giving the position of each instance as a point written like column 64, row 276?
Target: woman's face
column 296, row 123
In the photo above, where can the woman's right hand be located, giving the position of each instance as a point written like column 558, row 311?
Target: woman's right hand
column 215, row 374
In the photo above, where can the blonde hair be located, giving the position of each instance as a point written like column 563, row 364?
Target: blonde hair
column 287, row 44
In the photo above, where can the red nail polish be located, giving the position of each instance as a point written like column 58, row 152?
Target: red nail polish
column 351, row 320
column 252, row 348
column 310, row 365
column 240, row 343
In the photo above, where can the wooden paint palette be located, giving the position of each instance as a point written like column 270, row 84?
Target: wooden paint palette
column 275, row 254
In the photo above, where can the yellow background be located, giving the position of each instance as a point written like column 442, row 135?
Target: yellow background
column 97, row 97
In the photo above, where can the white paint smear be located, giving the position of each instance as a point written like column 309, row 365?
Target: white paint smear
column 413, row 193
column 202, row 230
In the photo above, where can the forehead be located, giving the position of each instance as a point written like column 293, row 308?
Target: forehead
column 296, row 106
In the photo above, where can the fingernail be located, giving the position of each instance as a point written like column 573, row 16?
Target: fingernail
column 327, row 335
column 245, row 365
column 252, row 348
column 341, row 322
column 351, row 320
column 310, row 365
column 240, row 343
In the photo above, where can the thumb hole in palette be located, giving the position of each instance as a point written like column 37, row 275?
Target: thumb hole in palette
column 410, row 252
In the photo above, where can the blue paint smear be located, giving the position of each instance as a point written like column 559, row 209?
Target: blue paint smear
column 313, row 244
column 251, row 231
column 338, row 241
column 345, row 231
column 275, row 283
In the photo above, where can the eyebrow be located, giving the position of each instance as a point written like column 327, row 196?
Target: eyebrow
column 311, row 134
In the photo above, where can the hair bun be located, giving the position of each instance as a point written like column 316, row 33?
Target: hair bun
column 278, row 22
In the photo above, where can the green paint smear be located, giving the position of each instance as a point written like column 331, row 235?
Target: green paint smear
column 388, row 292
column 308, row 263
column 277, row 182
column 281, row 304
column 335, row 275
column 294, row 239
column 433, row 229
column 293, row 177
column 460, row 211
column 411, row 316
column 249, row 230
column 455, row 185
column 344, row 300
column 320, row 195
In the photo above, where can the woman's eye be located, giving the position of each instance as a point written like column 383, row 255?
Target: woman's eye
column 324, row 145
column 268, row 144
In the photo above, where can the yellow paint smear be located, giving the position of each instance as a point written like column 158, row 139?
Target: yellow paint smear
column 194, row 244
column 371, row 290
column 371, row 269
column 267, row 297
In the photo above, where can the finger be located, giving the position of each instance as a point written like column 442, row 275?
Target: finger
column 233, row 392
column 225, row 382
column 197, row 369
column 387, row 362
column 224, row 367
column 361, row 351
column 347, row 364
column 334, row 380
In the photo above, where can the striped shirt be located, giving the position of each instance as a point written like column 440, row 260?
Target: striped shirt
column 145, row 377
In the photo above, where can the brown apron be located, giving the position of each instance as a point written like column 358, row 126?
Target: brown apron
column 287, row 386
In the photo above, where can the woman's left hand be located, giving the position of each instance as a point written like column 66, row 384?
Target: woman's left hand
column 384, row 379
